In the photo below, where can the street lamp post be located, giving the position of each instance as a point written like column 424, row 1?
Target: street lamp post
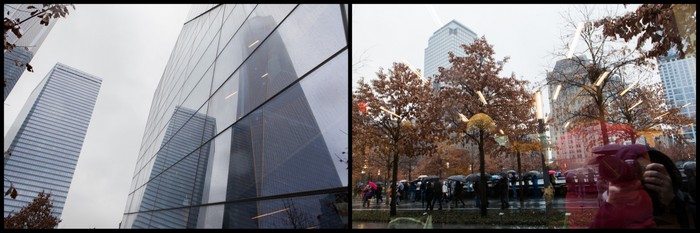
column 539, row 113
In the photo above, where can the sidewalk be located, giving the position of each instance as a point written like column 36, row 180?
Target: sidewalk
column 494, row 204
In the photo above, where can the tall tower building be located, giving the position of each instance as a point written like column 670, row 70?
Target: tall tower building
column 448, row 38
column 248, row 122
column 191, row 170
column 32, row 38
column 678, row 79
column 570, row 151
column 46, row 139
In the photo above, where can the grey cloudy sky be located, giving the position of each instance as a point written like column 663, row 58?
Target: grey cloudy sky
column 127, row 46
column 528, row 33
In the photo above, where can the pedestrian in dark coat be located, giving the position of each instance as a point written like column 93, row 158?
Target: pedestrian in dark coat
column 378, row 194
column 429, row 195
column 458, row 193
column 502, row 188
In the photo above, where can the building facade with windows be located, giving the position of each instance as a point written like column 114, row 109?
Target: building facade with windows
column 678, row 77
column 449, row 38
column 248, row 122
column 571, row 151
column 32, row 37
column 47, row 136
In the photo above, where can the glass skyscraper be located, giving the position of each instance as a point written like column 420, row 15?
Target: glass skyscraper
column 448, row 38
column 32, row 38
column 678, row 79
column 46, row 139
column 248, row 122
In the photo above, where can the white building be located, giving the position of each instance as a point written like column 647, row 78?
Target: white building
column 678, row 78
column 448, row 38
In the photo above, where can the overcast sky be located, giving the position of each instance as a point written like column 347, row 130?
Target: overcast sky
column 127, row 46
column 528, row 33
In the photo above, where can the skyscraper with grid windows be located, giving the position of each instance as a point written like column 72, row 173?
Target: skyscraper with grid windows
column 449, row 38
column 248, row 122
column 32, row 37
column 678, row 77
column 46, row 139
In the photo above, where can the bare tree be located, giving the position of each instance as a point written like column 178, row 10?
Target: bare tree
column 602, row 70
column 297, row 218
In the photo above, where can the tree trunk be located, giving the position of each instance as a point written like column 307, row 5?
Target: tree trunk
column 520, row 172
column 482, row 183
column 394, row 172
column 601, row 119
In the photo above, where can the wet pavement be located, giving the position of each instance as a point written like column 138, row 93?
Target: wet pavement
column 559, row 202
column 571, row 204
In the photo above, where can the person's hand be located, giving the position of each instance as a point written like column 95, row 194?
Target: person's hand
column 656, row 178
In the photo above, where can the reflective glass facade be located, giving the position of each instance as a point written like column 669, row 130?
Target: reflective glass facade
column 248, row 122
column 46, row 139
column 32, row 37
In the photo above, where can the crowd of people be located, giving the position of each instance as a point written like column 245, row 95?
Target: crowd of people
column 636, row 187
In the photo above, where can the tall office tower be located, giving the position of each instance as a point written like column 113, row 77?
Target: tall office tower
column 248, row 122
column 189, row 170
column 46, row 138
column 448, row 38
column 32, row 37
column 570, row 151
column 678, row 79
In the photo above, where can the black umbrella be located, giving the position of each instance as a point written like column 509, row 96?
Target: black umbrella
column 475, row 177
column 460, row 178
column 534, row 172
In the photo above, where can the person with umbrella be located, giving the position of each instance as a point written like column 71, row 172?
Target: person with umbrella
column 366, row 195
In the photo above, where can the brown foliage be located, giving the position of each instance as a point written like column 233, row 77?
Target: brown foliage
column 645, row 116
column 15, row 25
column 664, row 25
column 437, row 164
column 508, row 104
column 36, row 215
column 401, row 117
column 678, row 149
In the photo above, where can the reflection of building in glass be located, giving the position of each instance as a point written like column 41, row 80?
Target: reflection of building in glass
column 185, row 165
column 574, row 143
column 269, row 80
column 570, row 151
column 678, row 78
column 32, row 37
column 46, row 139
column 329, row 216
column 449, row 38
